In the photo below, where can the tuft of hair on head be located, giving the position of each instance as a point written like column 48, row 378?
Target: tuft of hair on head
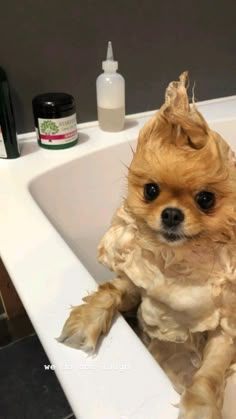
column 177, row 122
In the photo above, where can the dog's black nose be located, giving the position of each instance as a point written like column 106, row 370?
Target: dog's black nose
column 172, row 217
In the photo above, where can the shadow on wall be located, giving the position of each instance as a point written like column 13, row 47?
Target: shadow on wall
column 19, row 110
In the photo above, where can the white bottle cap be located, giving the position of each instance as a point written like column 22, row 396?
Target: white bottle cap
column 110, row 65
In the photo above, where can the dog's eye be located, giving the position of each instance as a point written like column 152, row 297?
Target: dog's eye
column 205, row 200
column 151, row 191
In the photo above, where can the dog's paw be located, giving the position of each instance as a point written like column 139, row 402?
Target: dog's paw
column 84, row 327
column 193, row 406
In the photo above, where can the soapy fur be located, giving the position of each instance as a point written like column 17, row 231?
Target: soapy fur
column 185, row 289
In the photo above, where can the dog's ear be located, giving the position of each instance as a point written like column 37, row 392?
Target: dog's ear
column 176, row 122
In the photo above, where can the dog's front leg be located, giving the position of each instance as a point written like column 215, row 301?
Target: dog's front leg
column 204, row 398
column 89, row 321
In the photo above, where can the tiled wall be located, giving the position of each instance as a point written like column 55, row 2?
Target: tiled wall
column 58, row 45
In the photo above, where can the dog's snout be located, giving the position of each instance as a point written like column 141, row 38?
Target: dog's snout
column 172, row 217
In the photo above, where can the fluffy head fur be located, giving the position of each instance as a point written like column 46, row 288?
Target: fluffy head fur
column 180, row 153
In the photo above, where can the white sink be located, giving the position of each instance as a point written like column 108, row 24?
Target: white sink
column 55, row 207
column 80, row 197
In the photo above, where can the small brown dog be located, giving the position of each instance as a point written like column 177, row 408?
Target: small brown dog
column 172, row 247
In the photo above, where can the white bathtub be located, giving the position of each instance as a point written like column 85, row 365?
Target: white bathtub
column 56, row 206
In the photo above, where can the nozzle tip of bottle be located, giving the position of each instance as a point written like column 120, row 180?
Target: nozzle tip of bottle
column 110, row 52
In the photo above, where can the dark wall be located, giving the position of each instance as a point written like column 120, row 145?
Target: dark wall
column 58, row 45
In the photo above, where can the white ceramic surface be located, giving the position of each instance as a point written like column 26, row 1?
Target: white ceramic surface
column 54, row 206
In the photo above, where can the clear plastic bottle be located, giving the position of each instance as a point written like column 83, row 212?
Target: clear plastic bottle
column 110, row 95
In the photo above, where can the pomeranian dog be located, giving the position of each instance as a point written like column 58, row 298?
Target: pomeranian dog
column 172, row 247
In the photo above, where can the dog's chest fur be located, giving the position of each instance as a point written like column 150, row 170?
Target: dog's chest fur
column 182, row 292
column 179, row 298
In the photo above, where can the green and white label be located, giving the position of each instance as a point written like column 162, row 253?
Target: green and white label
column 57, row 131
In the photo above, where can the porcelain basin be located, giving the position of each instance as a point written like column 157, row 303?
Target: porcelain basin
column 56, row 206
column 80, row 197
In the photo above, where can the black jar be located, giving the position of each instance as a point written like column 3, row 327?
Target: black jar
column 55, row 120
